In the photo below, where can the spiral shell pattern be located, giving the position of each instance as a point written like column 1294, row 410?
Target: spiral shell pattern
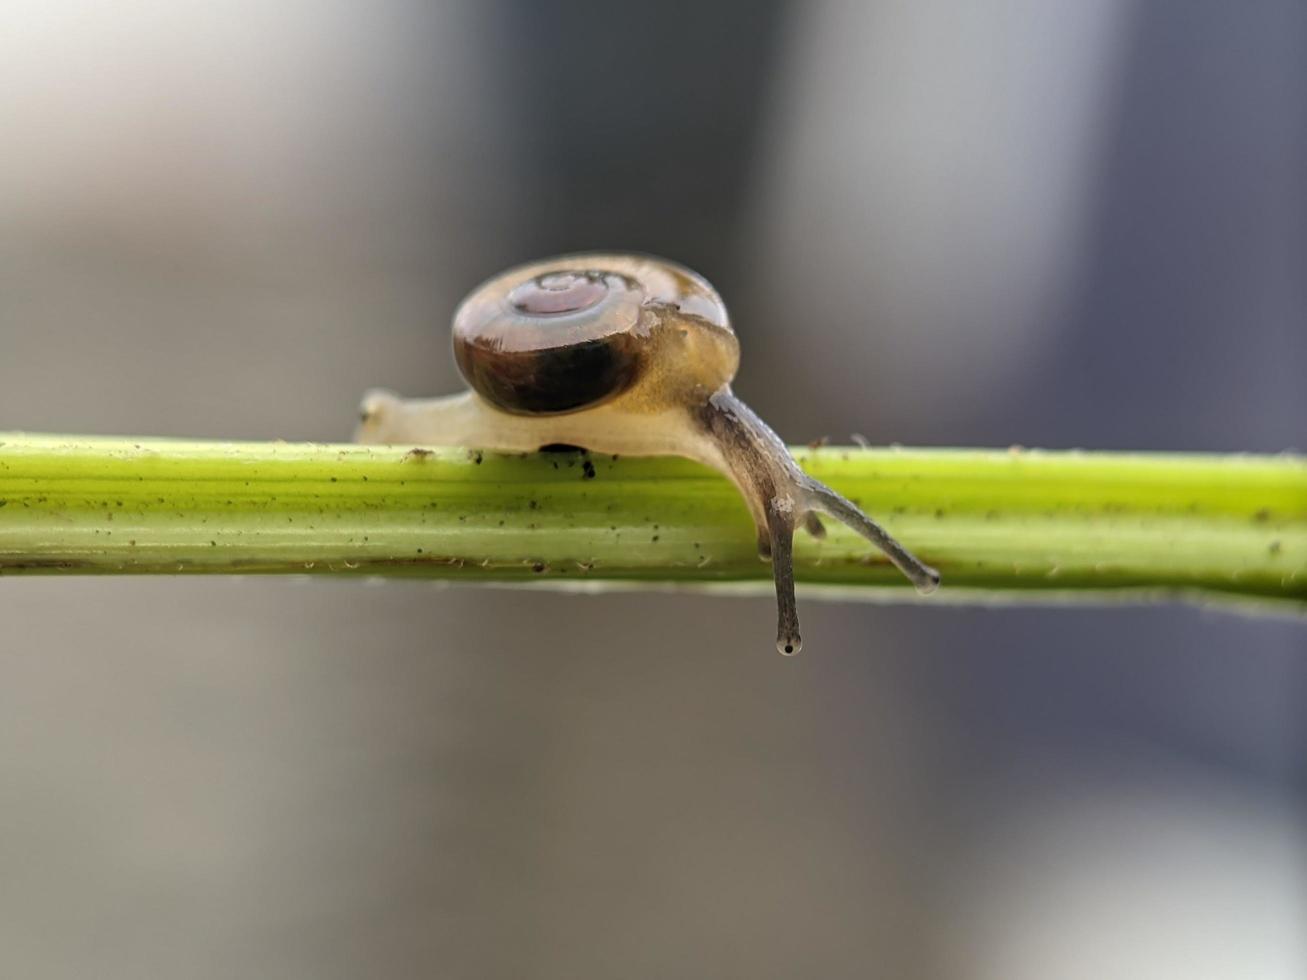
column 564, row 334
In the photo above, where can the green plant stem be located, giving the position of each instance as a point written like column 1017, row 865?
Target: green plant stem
column 1014, row 524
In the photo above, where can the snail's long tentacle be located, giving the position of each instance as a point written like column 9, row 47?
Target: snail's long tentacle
column 782, row 497
column 823, row 498
column 780, row 527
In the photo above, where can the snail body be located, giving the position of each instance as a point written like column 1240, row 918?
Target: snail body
column 627, row 354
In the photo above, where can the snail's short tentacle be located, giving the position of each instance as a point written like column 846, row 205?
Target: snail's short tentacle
column 822, row 497
column 812, row 523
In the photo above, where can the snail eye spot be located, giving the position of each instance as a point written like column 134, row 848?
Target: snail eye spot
column 556, row 293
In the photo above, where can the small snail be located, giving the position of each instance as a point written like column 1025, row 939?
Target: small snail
column 626, row 354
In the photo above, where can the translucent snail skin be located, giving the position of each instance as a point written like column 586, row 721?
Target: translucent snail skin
column 628, row 354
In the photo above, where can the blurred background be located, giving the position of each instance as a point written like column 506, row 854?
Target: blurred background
column 1044, row 222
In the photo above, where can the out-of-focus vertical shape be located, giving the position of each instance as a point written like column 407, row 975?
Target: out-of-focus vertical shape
column 1188, row 328
column 195, row 196
column 924, row 203
column 644, row 135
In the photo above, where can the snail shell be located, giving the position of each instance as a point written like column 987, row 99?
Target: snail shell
column 573, row 332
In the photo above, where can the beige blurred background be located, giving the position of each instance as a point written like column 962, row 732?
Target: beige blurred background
column 1048, row 223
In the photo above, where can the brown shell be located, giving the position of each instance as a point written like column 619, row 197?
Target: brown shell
column 564, row 334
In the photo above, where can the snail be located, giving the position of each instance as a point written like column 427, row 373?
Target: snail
column 627, row 354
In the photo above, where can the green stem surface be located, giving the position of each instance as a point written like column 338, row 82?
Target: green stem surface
column 997, row 524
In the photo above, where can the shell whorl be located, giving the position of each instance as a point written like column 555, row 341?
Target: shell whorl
column 564, row 334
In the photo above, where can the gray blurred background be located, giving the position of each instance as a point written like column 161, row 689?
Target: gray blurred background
column 1018, row 221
